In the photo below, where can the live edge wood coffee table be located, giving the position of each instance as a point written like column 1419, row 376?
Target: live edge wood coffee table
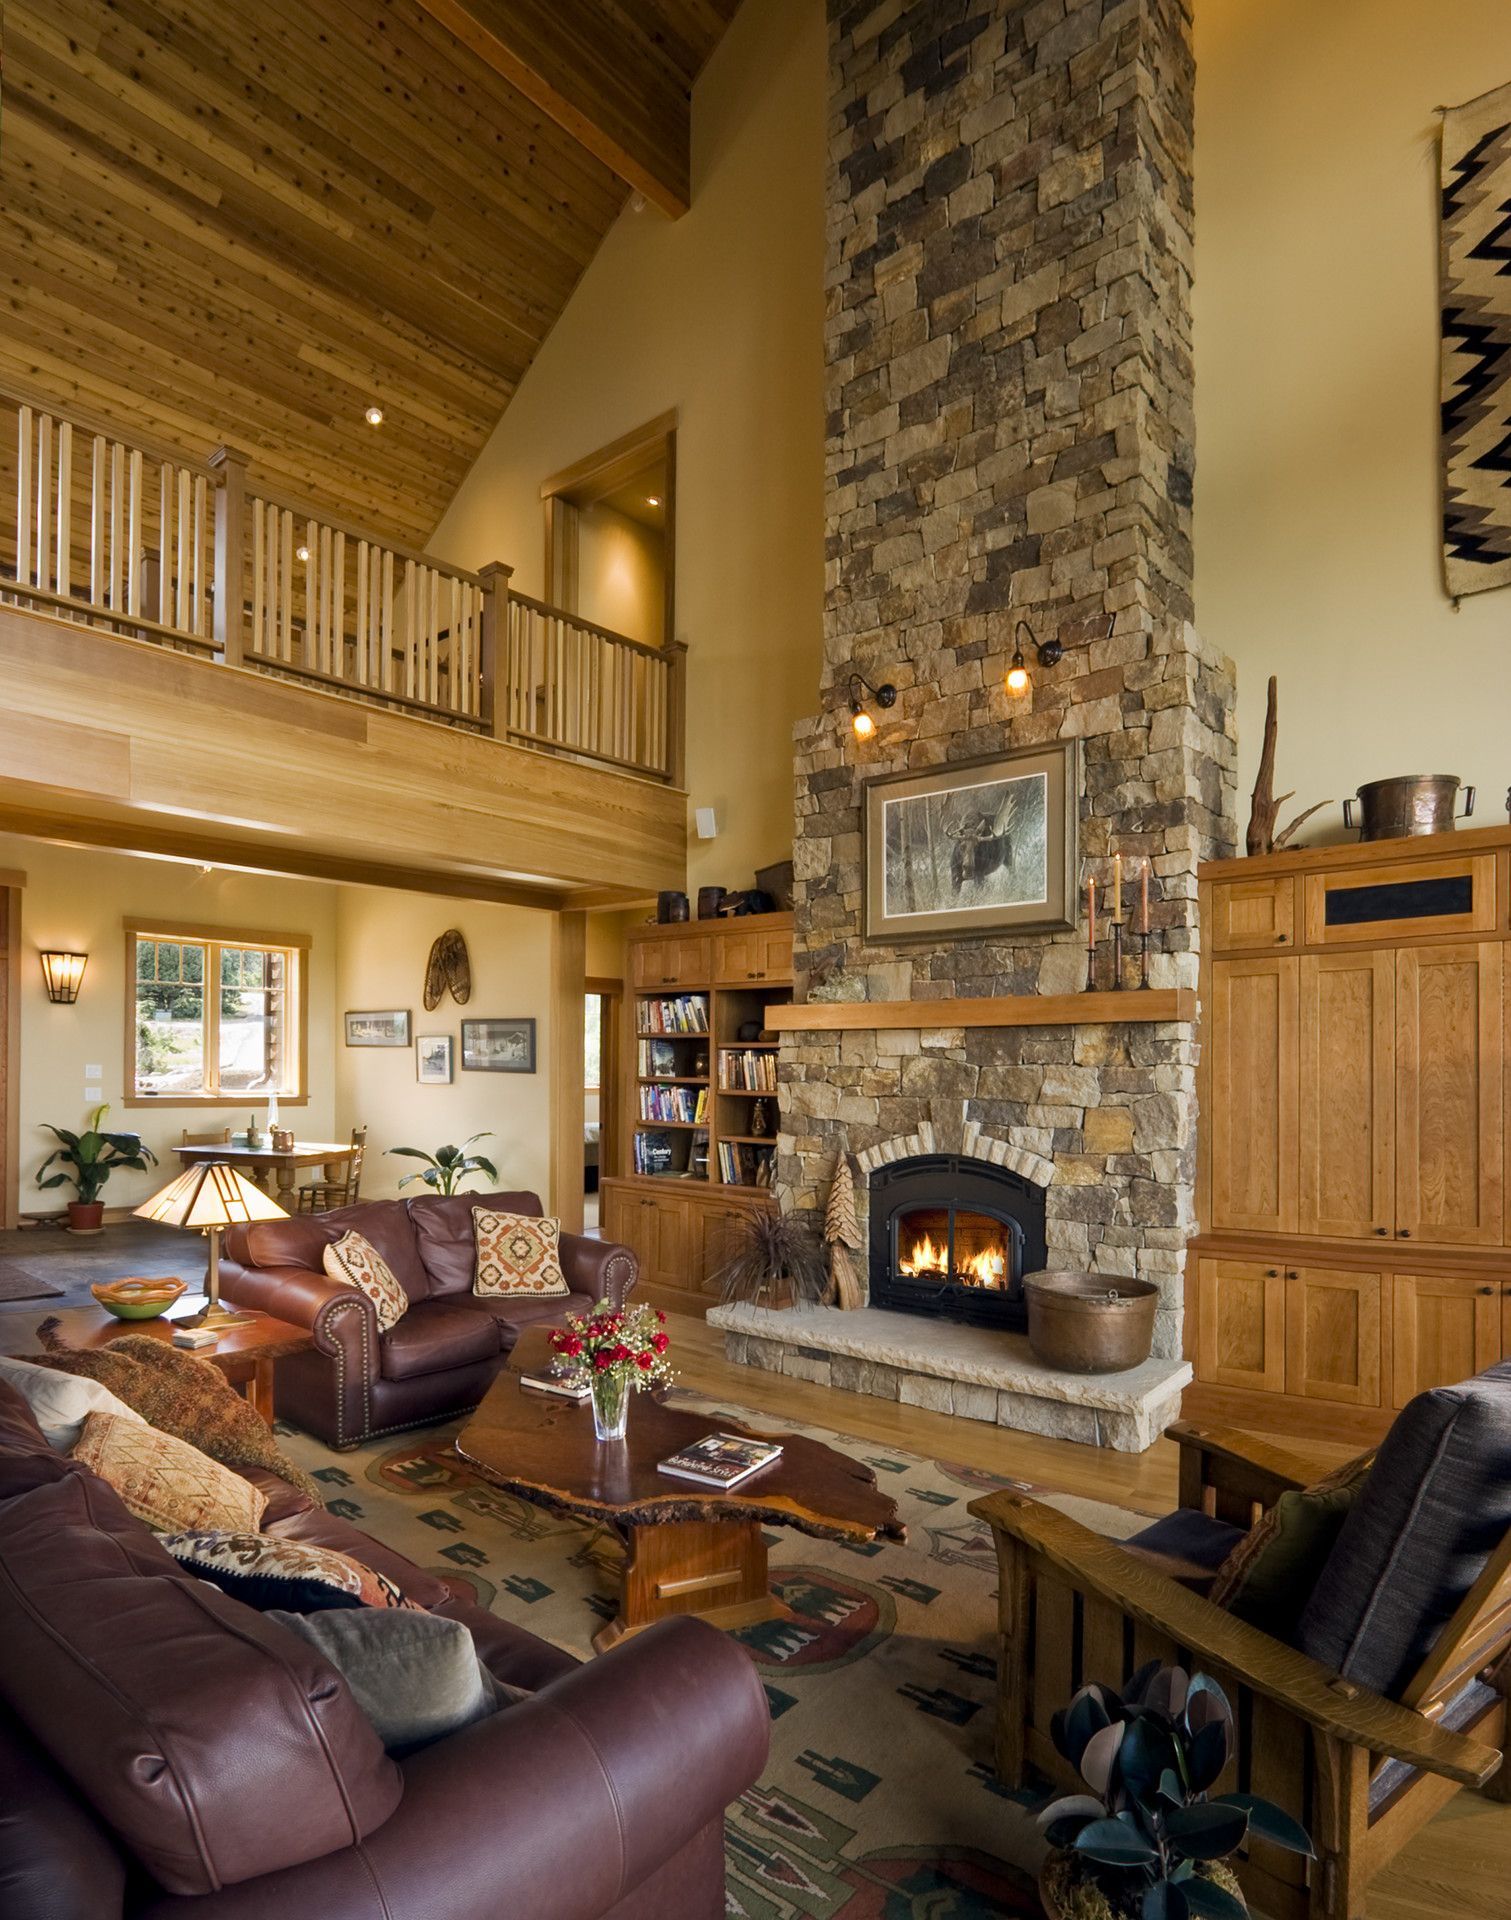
column 689, row 1549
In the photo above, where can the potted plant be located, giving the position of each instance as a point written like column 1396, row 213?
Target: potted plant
column 617, row 1351
column 88, row 1160
column 776, row 1263
column 446, row 1168
column 1149, row 1841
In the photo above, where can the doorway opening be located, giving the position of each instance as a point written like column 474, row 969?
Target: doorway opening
column 610, row 529
column 600, row 1080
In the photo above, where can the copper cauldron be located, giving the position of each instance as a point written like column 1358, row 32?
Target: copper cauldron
column 1090, row 1322
column 1407, row 804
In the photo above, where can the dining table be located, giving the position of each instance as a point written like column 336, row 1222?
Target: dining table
column 266, row 1163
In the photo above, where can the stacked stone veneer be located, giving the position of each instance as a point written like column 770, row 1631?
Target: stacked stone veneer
column 1010, row 435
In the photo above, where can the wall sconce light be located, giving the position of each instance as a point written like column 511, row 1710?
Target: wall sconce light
column 1050, row 653
column 861, row 722
column 63, row 972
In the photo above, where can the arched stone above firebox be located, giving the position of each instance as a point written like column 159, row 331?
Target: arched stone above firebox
column 975, row 1143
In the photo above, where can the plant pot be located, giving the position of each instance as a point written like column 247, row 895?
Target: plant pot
column 611, row 1405
column 86, row 1216
column 1065, row 1896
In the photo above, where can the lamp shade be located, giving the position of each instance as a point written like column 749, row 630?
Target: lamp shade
column 214, row 1195
column 63, row 972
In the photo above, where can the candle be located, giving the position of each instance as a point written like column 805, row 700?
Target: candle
column 1091, row 916
column 1143, row 896
column 1117, row 889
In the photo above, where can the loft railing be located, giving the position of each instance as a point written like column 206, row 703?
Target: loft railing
column 151, row 545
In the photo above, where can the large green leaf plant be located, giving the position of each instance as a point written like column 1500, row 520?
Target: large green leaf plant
column 89, row 1158
column 446, row 1168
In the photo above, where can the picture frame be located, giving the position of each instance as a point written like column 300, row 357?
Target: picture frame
column 434, row 1059
column 974, row 848
column 498, row 1046
column 386, row 1028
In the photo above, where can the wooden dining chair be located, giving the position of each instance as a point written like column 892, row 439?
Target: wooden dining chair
column 217, row 1137
column 320, row 1196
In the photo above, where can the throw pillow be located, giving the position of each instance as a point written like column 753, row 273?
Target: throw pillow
column 416, row 1676
column 1268, row 1577
column 517, row 1254
column 165, row 1482
column 356, row 1262
column 264, row 1571
column 60, row 1402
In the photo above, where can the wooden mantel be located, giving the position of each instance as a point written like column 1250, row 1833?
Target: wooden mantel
column 1134, row 1006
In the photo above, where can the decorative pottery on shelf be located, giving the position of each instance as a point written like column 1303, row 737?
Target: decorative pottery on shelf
column 138, row 1299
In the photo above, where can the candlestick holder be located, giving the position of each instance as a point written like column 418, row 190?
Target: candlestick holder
column 1091, row 970
column 1117, row 956
column 1143, row 961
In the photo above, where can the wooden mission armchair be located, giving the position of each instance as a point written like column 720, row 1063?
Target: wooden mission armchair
column 1395, row 1693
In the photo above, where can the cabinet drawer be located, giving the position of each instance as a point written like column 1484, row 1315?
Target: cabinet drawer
column 1454, row 893
column 1252, row 915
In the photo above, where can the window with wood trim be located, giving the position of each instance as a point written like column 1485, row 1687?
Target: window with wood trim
column 214, row 1017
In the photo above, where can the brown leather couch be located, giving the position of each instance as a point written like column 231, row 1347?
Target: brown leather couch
column 444, row 1352
column 167, row 1753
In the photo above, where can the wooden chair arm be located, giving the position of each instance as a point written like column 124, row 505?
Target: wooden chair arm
column 1309, row 1690
column 1240, row 1467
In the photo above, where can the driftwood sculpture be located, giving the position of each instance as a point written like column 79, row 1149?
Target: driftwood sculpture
column 1265, row 806
column 448, row 967
column 843, row 1238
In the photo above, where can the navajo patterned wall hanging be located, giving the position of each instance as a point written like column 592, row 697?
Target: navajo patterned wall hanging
column 1476, row 395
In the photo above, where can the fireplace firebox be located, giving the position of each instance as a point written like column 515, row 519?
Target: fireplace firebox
column 953, row 1237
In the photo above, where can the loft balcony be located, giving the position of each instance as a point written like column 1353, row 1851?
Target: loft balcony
column 194, row 664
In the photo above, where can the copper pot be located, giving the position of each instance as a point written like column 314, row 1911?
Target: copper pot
column 1090, row 1322
column 1409, row 803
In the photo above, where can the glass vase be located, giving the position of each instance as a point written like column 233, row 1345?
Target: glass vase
column 611, row 1405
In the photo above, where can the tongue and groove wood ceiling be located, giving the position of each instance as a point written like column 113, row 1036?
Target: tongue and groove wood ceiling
column 246, row 221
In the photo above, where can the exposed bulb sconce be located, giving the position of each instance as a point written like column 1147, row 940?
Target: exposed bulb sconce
column 1050, row 653
column 862, row 723
column 63, row 972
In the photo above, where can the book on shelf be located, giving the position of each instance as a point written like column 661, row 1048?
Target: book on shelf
column 720, row 1460
column 742, row 1164
column 682, row 1013
column 687, row 1106
column 569, row 1389
column 653, row 1153
column 660, row 1057
column 697, row 1159
column 745, row 1071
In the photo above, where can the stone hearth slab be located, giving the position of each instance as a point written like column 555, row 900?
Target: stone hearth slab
column 970, row 1371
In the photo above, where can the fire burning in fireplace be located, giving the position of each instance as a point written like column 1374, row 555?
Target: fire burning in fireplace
column 985, row 1268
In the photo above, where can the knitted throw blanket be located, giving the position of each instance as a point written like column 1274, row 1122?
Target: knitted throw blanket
column 179, row 1394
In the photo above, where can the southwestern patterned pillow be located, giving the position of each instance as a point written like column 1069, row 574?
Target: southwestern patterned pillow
column 166, row 1482
column 356, row 1262
column 264, row 1571
column 517, row 1254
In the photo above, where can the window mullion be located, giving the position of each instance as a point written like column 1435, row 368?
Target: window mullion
column 212, row 1019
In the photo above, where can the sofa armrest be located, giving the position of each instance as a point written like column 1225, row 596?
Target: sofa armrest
column 601, row 1268
column 341, row 1319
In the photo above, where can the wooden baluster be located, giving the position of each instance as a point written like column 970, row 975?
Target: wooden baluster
column 136, row 537
column 163, row 611
column 411, row 625
column 311, row 595
column 456, row 664
column 185, row 530
column 65, row 509
column 117, row 529
column 23, row 496
column 433, row 600
column 374, row 617
column 338, row 605
column 267, row 637
column 386, row 634
column 97, row 521
column 201, row 613
column 327, row 635
column 44, row 502
column 259, row 577
column 361, row 647
column 286, row 584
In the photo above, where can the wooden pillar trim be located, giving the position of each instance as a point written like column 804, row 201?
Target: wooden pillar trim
column 569, row 947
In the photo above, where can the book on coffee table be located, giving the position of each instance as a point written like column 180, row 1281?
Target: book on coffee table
column 720, row 1460
column 550, row 1383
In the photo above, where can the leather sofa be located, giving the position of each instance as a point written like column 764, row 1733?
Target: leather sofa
column 167, row 1753
column 441, row 1356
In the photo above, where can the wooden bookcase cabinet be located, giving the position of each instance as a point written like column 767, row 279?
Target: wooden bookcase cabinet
column 1354, row 1145
column 683, row 1227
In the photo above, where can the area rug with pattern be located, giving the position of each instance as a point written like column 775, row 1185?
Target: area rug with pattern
column 879, row 1801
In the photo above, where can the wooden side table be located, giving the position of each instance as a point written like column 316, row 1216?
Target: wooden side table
column 244, row 1354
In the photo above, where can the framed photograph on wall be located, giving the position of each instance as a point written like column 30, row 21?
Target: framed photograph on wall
column 388, row 1029
column 433, row 1059
column 498, row 1046
column 980, row 847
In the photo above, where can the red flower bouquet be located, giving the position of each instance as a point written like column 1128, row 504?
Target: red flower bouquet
column 618, row 1351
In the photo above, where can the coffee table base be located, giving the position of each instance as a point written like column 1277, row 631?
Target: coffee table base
column 713, row 1568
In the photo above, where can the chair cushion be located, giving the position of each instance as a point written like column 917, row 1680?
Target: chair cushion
column 513, row 1312
column 1435, row 1506
column 216, row 1746
column 354, row 1261
column 263, row 1571
column 1188, row 1535
column 443, row 1236
column 166, row 1483
column 1268, row 1577
column 60, row 1402
column 435, row 1335
column 301, row 1240
column 517, row 1254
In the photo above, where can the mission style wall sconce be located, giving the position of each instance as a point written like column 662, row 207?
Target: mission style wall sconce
column 862, row 723
column 63, row 972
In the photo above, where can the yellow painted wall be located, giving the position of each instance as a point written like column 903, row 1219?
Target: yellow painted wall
column 1318, row 555
column 621, row 574
column 719, row 316
column 77, row 901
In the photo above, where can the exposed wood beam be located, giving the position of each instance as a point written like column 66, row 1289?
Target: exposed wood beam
column 614, row 91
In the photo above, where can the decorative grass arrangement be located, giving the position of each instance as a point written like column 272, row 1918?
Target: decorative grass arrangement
column 776, row 1263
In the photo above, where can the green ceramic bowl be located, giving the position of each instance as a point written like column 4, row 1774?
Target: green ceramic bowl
column 138, row 1299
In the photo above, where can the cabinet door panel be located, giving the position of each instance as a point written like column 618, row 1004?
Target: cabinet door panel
column 1442, row 1331
column 1252, row 915
column 1346, row 1131
column 1252, row 1125
column 1240, row 1325
column 776, row 956
column 1449, row 1093
column 673, row 961
column 720, row 1235
column 1333, row 1335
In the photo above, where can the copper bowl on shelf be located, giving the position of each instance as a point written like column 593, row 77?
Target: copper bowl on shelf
column 138, row 1298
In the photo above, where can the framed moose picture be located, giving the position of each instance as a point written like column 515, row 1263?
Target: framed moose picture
column 980, row 847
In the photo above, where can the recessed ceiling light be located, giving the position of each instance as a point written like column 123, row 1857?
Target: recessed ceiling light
column 374, row 416
column 302, row 553
column 653, row 499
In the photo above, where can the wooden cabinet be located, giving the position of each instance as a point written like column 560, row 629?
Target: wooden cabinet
column 684, row 1233
column 1251, row 1118
column 670, row 960
column 752, row 957
column 1443, row 1330
column 720, row 1230
column 1403, row 896
column 1241, row 1324
column 1334, row 1334
column 1250, row 915
column 1450, row 1070
column 1346, row 1130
